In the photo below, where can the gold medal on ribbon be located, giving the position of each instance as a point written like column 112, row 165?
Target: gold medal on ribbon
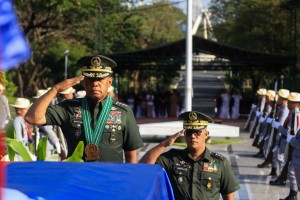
column 208, row 185
column 91, row 152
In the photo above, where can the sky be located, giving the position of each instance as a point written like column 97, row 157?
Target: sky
column 183, row 3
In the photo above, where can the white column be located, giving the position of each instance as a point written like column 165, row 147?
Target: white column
column 189, row 67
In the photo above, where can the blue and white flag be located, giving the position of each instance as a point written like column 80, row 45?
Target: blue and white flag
column 14, row 49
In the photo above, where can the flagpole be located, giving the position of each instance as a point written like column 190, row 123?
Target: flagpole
column 189, row 48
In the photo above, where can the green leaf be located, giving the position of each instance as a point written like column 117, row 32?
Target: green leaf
column 10, row 132
column 18, row 147
column 42, row 147
column 77, row 154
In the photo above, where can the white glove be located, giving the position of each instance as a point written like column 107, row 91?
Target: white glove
column 58, row 148
column 275, row 124
column 261, row 120
column 269, row 120
column 258, row 114
column 253, row 106
column 289, row 137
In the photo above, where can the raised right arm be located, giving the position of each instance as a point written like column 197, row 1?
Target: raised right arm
column 37, row 111
column 151, row 156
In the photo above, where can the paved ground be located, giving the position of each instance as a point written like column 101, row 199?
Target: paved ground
column 254, row 181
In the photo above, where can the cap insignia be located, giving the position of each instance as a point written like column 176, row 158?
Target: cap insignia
column 96, row 61
column 193, row 116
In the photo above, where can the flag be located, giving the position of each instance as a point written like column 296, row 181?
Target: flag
column 14, row 48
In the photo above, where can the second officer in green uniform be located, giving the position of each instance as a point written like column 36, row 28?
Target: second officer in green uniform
column 108, row 128
column 194, row 172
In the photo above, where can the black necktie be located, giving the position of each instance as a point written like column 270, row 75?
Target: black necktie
column 96, row 111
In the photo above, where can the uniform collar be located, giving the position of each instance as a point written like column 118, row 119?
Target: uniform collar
column 205, row 157
column 93, row 103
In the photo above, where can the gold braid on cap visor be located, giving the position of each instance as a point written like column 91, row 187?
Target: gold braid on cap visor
column 96, row 69
column 196, row 125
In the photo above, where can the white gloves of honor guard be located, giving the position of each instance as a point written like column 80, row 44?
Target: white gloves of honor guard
column 269, row 120
column 253, row 106
column 261, row 120
column 275, row 124
column 58, row 148
column 289, row 137
column 258, row 114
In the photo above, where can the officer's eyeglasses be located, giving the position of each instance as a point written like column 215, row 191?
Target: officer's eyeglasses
column 191, row 132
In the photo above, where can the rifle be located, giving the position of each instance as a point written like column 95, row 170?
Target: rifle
column 253, row 127
column 259, row 129
column 269, row 129
column 255, row 123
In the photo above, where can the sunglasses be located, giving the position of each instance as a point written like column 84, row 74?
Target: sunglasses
column 191, row 132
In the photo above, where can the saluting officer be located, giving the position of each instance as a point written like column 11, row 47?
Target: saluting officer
column 194, row 172
column 108, row 128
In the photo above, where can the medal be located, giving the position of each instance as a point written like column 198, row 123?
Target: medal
column 180, row 179
column 208, row 185
column 91, row 152
column 93, row 137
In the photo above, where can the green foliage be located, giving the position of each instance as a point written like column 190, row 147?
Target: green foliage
column 10, row 132
column 77, row 154
column 17, row 147
column 259, row 26
column 85, row 27
column 55, row 58
column 42, row 148
column 10, row 86
column 251, row 24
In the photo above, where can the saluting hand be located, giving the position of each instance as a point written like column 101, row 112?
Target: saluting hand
column 68, row 83
column 170, row 141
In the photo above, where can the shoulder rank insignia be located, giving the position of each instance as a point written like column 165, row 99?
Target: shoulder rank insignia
column 121, row 104
column 216, row 155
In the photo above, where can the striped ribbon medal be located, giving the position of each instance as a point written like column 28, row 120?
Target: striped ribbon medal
column 93, row 137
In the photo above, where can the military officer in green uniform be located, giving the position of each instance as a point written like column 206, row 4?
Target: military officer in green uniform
column 194, row 172
column 108, row 128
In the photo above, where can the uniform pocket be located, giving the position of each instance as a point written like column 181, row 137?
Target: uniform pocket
column 210, row 181
column 181, row 175
column 76, row 125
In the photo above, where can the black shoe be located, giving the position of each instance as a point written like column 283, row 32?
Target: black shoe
column 263, row 165
column 292, row 195
column 277, row 182
column 273, row 173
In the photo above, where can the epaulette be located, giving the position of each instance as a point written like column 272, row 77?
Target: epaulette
column 121, row 105
column 216, row 155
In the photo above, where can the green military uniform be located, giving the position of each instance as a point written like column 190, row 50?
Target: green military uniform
column 202, row 179
column 205, row 178
column 120, row 132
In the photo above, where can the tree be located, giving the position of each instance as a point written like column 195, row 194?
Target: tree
column 85, row 28
column 261, row 26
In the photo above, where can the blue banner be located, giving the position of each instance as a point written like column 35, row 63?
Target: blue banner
column 14, row 49
column 78, row 181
